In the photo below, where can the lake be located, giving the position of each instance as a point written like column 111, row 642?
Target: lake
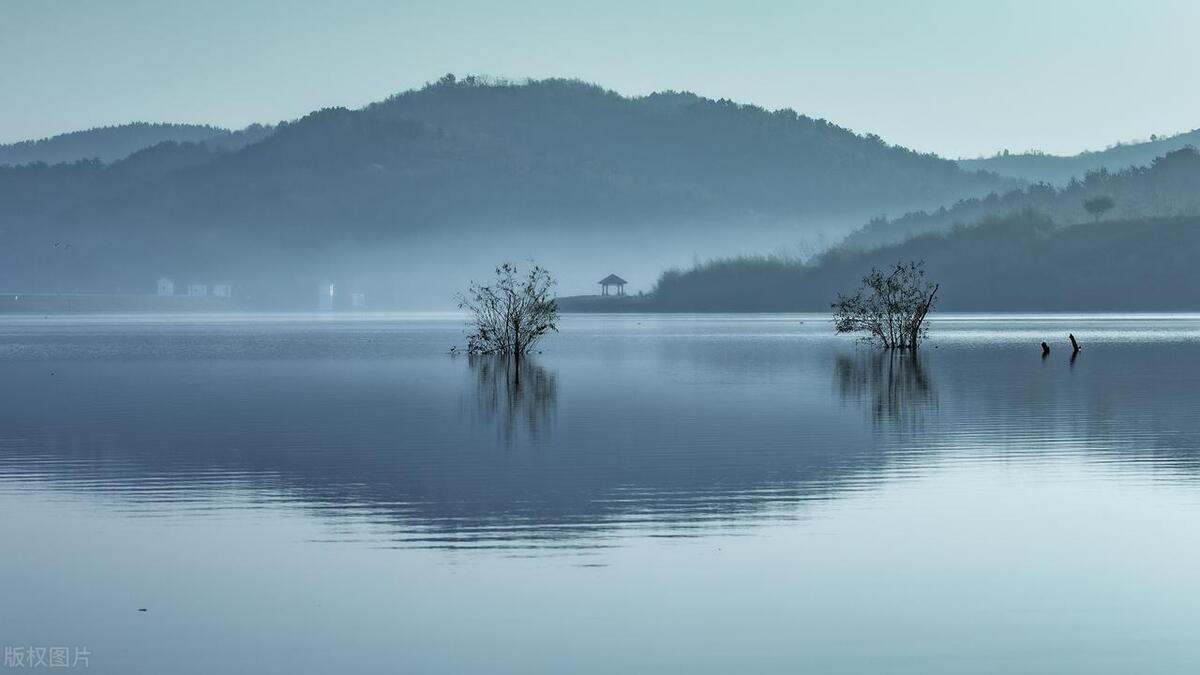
column 650, row 494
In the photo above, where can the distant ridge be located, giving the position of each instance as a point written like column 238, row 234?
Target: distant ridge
column 112, row 143
column 1058, row 170
column 106, row 144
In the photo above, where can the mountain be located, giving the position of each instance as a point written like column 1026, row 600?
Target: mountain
column 1059, row 170
column 1169, row 186
column 1019, row 262
column 415, row 194
column 698, row 153
column 106, row 144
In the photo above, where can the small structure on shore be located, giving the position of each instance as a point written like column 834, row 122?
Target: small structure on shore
column 197, row 290
column 166, row 286
column 325, row 295
column 612, row 280
column 222, row 290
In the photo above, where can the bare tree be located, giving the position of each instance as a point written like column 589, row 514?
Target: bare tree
column 509, row 316
column 1098, row 206
column 890, row 308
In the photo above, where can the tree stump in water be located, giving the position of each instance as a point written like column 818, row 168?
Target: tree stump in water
column 1045, row 350
column 1074, row 343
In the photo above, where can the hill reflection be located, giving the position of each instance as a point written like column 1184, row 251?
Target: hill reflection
column 418, row 449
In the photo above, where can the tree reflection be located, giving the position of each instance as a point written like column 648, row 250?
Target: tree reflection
column 895, row 385
column 516, row 395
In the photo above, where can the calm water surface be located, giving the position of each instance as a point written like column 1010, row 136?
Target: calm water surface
column 652, row 494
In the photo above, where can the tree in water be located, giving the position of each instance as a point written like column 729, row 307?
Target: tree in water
column 509, row 316
column 1098, row 206
column 891, row 307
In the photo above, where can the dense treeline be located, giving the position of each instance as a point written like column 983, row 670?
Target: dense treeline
column 1167, row 187
column 1019, row 262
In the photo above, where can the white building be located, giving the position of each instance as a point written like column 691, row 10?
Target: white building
column 197, row 290
column 222, row 290
column 325, row 298
column 166, row 286
column 358, row 300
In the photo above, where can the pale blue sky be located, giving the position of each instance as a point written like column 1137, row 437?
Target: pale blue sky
column 958, row 78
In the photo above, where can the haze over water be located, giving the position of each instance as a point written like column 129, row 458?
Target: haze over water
column 649, row 494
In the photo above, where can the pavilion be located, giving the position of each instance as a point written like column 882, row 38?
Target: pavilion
column 612, row 280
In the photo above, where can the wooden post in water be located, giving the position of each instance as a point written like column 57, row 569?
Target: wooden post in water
column 1045, row 350
column 1074, row 343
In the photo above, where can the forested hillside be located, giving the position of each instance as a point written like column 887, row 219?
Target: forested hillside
column 1169, row 186
column 1021, row 262
column 407, row 190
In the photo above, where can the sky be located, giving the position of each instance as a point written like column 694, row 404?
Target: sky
column 961, row 78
